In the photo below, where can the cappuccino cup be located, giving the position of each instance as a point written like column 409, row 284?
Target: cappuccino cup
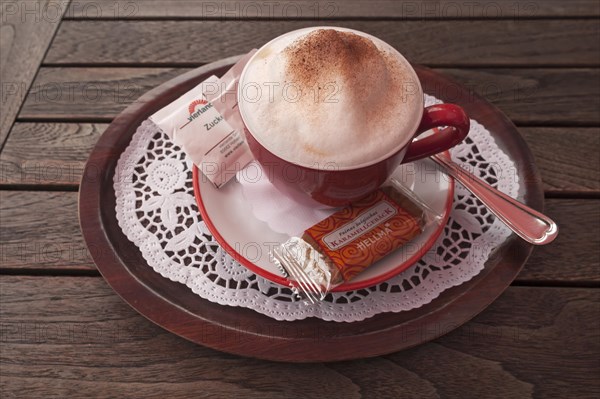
column 331, row 112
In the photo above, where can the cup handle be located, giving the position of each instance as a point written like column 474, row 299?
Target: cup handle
column 450, row 115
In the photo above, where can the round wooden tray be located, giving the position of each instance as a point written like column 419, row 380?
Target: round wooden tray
column 176, row 308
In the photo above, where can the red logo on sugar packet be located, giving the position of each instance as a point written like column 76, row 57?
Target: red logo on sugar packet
column 193, row 104
column 194, row 113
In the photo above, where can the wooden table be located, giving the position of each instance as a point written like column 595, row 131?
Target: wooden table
column 68, row 69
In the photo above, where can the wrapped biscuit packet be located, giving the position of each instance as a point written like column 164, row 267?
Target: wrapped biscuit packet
column 352, row 239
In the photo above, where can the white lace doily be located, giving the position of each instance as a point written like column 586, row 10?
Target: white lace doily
column 157, row 211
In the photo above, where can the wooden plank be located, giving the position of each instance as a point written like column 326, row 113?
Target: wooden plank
column 313, row 9
column 26, row 30
column 108, row 350
column 562, row 260
column 40, row 230
column 531, row 342
column 54, row 154
column 71, row 336
column 530, row 96
column 439, row 43
column 574, row 256
column 566, row 157
column 90, row 93
column 537, row 96
column 48, row 154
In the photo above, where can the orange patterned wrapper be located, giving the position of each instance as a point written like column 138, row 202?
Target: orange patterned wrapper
column 355, row 237
column 338, row 248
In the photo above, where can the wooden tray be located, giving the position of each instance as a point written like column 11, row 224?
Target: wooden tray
column 174, row 307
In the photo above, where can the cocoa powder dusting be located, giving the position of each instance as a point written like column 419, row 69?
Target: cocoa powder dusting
column 325, row 53
column 361, row 71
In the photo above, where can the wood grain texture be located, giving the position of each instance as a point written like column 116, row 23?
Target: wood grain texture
column 574, row 255
column 559, row 96
column 47, row 154
column 90, row 93
column 312, row 9
column 566, row 157
column 435, row 43
column 40, row 230
column 54, row 154
column 557, row 335
column 78, row 339
column 537, row 96
column 73, row 336
column 26, row 30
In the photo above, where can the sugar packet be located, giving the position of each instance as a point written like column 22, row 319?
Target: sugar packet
column 206, row 124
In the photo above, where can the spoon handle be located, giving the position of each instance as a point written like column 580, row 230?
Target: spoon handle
column 527, row 223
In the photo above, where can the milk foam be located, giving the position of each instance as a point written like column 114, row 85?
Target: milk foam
column 335, row 99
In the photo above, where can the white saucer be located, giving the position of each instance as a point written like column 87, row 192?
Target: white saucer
column 249, row 240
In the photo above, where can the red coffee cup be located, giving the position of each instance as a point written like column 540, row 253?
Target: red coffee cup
column 337, row 186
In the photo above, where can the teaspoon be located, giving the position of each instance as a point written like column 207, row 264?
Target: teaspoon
column 527, row 223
